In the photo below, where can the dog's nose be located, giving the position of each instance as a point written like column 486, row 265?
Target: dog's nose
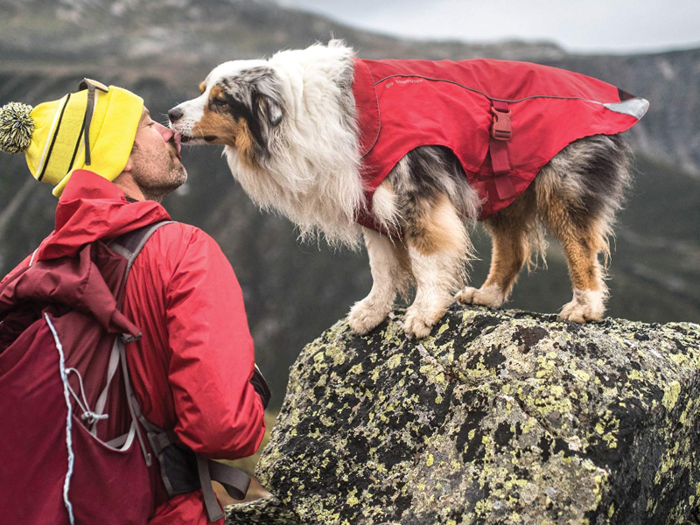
column 174, row 115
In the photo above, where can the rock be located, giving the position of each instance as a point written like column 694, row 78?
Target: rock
column 497, row 417
column 267, row 511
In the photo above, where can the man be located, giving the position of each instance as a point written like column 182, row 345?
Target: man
column 192, row 369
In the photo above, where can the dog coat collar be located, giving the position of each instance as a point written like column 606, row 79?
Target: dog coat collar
column 504, row 120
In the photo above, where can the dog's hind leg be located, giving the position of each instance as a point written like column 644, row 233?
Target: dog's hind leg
column 511, row 249
column 388, row 275
column 581, row 245
column 438, row 244
column 578, row 193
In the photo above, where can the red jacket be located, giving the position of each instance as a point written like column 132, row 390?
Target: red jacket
column 194, row 363
column 404, row 104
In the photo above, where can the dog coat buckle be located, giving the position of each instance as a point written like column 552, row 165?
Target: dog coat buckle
column 501, row 127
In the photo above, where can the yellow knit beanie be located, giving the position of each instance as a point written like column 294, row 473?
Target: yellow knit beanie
column 52, row 135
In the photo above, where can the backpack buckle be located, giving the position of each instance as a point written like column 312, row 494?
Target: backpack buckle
column 501, row 127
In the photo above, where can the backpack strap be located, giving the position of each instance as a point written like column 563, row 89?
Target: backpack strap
column 181, row 469
column 129, row 246
column 134, row 408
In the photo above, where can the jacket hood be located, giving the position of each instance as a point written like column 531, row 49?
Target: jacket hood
column 92, row 208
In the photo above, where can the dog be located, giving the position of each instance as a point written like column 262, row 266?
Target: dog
column 349, row 148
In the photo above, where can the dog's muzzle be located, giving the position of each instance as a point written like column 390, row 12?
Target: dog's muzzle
column 174, row 115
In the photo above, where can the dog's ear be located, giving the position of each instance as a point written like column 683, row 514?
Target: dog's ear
column 267, row 96
column 269, row 109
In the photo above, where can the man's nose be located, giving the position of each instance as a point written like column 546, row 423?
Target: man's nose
column 175, row 114
column 169, row 135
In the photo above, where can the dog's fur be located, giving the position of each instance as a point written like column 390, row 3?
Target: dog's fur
column 291, row 140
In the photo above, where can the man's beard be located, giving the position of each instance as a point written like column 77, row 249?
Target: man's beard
column 158, row 191
column 155, row 187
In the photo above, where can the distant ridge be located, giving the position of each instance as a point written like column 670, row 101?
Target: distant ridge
column 162, row 49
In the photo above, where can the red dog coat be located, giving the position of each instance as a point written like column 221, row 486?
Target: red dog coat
column 504, row 120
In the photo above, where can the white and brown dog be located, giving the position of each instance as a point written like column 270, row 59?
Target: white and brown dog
column 303, row 129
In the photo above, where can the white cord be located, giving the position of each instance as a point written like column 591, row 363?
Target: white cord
column 69, row 420
column 88, row 415
column 31, row 262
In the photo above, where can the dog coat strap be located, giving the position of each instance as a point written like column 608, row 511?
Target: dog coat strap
column 501, row 132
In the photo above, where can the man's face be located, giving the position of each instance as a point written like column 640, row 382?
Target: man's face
column 155, row 159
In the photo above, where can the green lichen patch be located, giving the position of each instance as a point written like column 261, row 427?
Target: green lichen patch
column 497, row 417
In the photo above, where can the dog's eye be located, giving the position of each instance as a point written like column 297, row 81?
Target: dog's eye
column 219, row 102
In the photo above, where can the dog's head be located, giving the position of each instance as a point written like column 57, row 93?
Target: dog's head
column 240, row 106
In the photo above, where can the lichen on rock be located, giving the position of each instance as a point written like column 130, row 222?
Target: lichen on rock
column 497, row 417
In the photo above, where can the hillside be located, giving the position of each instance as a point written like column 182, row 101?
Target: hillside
column 163, row 48
column 188, row 32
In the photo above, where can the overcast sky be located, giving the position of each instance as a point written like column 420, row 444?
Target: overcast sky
column 578, row 25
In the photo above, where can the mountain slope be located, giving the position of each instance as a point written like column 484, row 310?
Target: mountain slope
column 293, row 291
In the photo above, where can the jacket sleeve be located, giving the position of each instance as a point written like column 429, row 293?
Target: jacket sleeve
column 219, row 413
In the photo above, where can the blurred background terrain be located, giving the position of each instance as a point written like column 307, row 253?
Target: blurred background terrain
column 162, row 49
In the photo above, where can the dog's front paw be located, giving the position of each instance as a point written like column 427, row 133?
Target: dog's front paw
column 575, row 312
column 365, row 316
column 587, row 305
column 490, row 296
column 416, row 324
